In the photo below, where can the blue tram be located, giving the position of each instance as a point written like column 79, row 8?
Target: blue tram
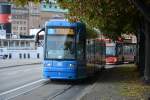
column 67, row 52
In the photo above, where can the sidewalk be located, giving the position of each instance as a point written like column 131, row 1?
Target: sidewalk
column 120, row 83
column 17, row 62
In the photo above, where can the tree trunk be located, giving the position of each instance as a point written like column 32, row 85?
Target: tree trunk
column 147, row 52
column 141, row 53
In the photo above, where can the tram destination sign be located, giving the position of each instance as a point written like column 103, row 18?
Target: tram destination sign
column 62, row 31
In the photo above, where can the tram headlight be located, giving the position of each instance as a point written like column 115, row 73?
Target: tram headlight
column 71, row 65
column 47, row 65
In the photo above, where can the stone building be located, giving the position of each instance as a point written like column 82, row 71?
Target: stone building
column 20, row 20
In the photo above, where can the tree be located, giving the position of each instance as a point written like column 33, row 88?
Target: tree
column 111, row 17
column 144, row 7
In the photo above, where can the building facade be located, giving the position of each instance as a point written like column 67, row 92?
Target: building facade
column 20, row 20
column 50, row 10
column 20, row 49
column 34, row 15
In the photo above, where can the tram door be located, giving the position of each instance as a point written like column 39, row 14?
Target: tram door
column 80, row 54
column 119, row 52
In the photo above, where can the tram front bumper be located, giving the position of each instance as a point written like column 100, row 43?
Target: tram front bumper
column 60, row 75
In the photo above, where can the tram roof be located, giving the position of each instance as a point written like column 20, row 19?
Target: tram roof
column 62, row 23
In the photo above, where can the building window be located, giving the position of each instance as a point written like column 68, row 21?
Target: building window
column 50, row 5
column 5, row 43
column 17, row 43
column 27, row 44
column 44, row 6
column 22, row 43
column 38, row 55
column 24, row 56
column 55, row 6
column 11, row 43
column 20, row 56
column 10, row 56
column 0, row 43
column 28, row 55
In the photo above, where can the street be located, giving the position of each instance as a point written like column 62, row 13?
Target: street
column 55, row 91
column 27, row 83
column 17, row 76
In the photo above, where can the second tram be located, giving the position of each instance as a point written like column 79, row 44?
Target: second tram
column 120, row 52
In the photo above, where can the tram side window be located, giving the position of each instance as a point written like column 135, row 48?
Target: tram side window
column 119, row 51
column 81, row 48
column 88, row 52
column 97, row 52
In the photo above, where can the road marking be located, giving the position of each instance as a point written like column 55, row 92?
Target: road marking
column 15, row 66
column 20, row 90
column 18, row 68
column 19, row 71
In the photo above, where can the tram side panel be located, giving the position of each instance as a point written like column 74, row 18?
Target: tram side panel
column 90, row 54
column 129, row 52
column 99, row 54
column 95, row 52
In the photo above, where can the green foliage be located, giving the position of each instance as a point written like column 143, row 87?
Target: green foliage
column 91, row 33
column 20, row 2
column 112, row 17
column 24, row 2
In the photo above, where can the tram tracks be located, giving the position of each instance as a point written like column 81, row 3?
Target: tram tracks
column 29, row 88
column 60, row 92
column 22, row 89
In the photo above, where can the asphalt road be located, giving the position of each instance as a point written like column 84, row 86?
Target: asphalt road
column 59, row 90
column 15, row 77
column 11, row 78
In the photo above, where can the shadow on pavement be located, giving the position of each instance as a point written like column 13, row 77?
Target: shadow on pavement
column 119, row 74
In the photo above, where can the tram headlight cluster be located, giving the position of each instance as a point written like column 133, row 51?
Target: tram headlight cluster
column 47, row 65
column 72, row 65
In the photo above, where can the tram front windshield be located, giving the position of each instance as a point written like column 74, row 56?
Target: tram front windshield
column 110, row 51
column 60, row 44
